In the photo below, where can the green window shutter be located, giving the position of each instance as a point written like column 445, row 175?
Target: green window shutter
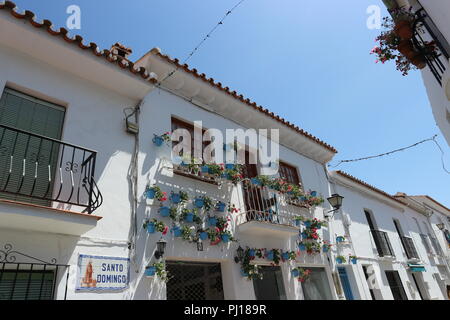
column 30, row 114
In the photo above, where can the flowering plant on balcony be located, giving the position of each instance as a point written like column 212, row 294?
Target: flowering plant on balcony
column 208, row 203
column 215, row 170
column 191, row 215
column 394, row 43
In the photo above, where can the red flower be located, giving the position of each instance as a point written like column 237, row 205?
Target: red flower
column 166, row 229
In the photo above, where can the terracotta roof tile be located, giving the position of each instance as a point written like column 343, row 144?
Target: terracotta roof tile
column 240, row 97
column 348, row 176
column 77, row 40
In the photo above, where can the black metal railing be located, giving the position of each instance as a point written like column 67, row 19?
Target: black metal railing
column 41, row 170
column 436, row 246
column 31, row 278
column 410, row 249
column 382, row 243
column 436, row 59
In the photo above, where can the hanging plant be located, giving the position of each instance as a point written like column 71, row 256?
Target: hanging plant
column 326, row 246
column 220, row 206
column 226, row 236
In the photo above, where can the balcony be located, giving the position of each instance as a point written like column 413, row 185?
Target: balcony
column 268, row 212
column 54, row 178
column 382, row 243
column 426, row 244
column 425, row 31
column 410, row 249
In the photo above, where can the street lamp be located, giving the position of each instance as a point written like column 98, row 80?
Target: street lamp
column 335, row 201
column 160, row 248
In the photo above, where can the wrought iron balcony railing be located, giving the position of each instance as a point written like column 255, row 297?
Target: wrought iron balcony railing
column 410, row 249
column 45, row 171
column 436, row 246
column 382, row 243
column 426, row 31
column 426, row 244
column 267, row 205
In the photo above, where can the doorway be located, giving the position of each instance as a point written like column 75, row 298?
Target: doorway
column 271, row 286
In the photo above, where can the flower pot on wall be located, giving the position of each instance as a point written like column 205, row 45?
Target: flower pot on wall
column 212, row 221
column 177, row 231
column 404, row 29
column 150, row 193
column 225, row 238
column 252, row 253
column 150, row 271
column 199, row 202
column 339, row 260
column 269, row 255
column 295, row 273
column 175, row 197
column 302, row 247
column 164, row 211
column 189, row 217
column 220, row 206
column 203, row 235
column 158, row 141
column 285, row 256
column 151, row 227
column 354, row 260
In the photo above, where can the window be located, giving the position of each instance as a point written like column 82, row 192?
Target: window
column 396, row 285
column 271, row 286
column 26, row 285
column 23, row 112
column 289, row 173
column 317, row 287
column 195, row 145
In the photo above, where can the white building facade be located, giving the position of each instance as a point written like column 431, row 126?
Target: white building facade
column 79, row 161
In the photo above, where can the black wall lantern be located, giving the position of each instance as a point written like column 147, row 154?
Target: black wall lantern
column 160, row 248
column 239, row 255
column 335, row 201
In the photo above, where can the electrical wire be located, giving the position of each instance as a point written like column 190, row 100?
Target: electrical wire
column 208, row 35
column 433, row 138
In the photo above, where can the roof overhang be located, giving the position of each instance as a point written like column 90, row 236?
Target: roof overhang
column 376, row 194
column 209, row 97
column 68, row 54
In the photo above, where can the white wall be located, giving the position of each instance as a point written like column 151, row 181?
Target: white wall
column 363, row 245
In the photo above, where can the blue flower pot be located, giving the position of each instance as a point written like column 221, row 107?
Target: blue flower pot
column 285, row 256
column 184, row 164
column 151, row 227
column 340, row 239
column 224, row 175
column 225, row 238
column 176, row 231
column 304, row 235
column 339, row 260
column 150, row 271
column 199, row 202
column 243, row 273
column 325, row 249
column 212, row 221
column 295, row 273
column 203, row 235
column 189, row 217
column 255, row 181
column 205, row 169
column 302, row 247
column 229, row 166
column 302, row 198
column 313, row 193
column 269, row 255
column 308, row 224
column 158, row 141
column 220, row 206
column 297, row 223
column 175, row 197
column 354, row 260
column 319, row 227
column 150, row 193
column 252, row 253
column 164, row 211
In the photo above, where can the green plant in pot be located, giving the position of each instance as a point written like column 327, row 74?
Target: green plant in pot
column 173, row 213
column 161, row 271
column 186, row 233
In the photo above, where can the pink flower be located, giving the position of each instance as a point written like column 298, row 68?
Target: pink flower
column 166, row 229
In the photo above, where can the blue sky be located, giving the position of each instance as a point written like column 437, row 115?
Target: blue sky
column 308, row 61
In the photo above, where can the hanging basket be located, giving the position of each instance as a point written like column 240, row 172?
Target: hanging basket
column 404, row 30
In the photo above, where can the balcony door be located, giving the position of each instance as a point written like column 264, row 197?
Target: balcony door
column 396, row 285
column 26, row 161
